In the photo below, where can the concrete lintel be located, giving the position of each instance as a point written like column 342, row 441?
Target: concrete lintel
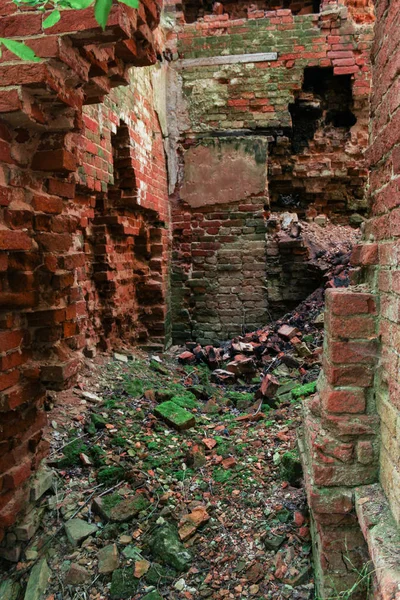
column 231, row 59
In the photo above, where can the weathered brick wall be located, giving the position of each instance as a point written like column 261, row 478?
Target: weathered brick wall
column 219, row 246
column 340, row 445
column 319, row 163
column 310, row 107
column 376, row 267
column 83, row 215
column 379, row 260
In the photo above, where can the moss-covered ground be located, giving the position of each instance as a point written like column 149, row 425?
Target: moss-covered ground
column 243, row 472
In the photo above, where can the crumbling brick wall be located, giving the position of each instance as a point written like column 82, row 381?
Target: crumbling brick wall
column 375, row 508
column 308, row 103
column 83, row 214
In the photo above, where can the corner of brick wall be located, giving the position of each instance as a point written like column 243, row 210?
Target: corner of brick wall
column 339, row 444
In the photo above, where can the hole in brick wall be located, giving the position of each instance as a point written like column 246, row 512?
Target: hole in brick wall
column 303, row 166
column 196, row 9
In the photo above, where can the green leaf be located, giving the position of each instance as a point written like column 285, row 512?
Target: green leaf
column 20, row 50
column 101, row 11
column 131, row 3
column 52, row 19
column 80, row 4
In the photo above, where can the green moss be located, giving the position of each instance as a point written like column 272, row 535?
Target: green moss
column 97, row 454
column 304, row 390
column 291, row 469
column 186, row 400
column 182, row 475
column 174, row 414
column 110, row 501
column 71, row 453
column 98, row 421
column 222, row 475
column 134, row 387
column 159, row 575
column 123, row 584
column 111, row 474
column 241, row 400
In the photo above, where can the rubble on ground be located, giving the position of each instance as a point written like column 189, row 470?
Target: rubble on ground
column 150, row 503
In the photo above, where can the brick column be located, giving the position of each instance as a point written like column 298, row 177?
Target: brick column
column 339, row 442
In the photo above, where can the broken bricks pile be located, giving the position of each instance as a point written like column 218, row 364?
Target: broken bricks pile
column 289, row 347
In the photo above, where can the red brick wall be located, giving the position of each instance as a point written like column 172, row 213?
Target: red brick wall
column 379, row 260
column 83, row 238
column 373, row 384
column 311, row 168
column 340, row 447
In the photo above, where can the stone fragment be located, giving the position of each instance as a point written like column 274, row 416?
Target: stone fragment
column 78, row 530
column 240, row 347
column 222, row 376
column 287, row 332
column 175, row 416
column 27, row 528
column 123, row 584
column 121, row 357
column 91, row 397
column 180, row 585
column 211, row 407
column 319, row 321
column 299, row 578
column 108, row 559
column 76, row 575
column 274, row 542
column 124, row 540
column 253, row 589
column 302, row 350
column 209, row 443
column 85, row 460
column 152, row 596
column 291, row 467
column 141, row 568
column 124, row 510
column 196, row 458
column 255, row 573
column 186, row 358
column 269, row 386
column 321, row 220
column 241, row 366
column 38, row 581
column 166, row 546
column 229, row 462
column 11, row 554
column 131, row 552
column 190, row 523
column 42, row 482
column 9, row 590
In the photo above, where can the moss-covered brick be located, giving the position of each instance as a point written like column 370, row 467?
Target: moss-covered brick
column 175, row 416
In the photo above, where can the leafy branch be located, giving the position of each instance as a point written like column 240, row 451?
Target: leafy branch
column 102, row 10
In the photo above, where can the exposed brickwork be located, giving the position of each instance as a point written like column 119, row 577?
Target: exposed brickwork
column 218, row 269
column 340, row 446
column 378, row 257
column 310, row 106
column 376, row 262
column 84, row 210
column 322, row 163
